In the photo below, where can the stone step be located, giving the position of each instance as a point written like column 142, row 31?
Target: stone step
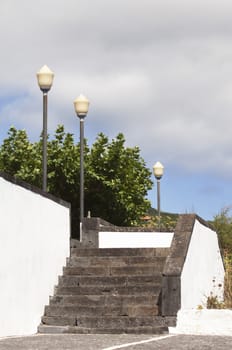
column 118, row 261
column 107, row 270
column 45, row 329
column 108, row 290
column 110, row 321
column 99, row 300
column 148, row 252
column 117, row 281
column 109, row 310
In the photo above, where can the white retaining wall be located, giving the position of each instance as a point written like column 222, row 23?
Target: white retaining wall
column 203, row 271
column 203, row 322
column 135, row 239
column 202, row 276
column 34, row 244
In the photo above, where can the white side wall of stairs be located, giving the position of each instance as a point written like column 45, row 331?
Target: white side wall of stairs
column 203, row 270
column 34, row 245
column 132, row 239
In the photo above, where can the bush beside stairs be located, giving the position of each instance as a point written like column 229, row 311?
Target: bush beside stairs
column 109, row 291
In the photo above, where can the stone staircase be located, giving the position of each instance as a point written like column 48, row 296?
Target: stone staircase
column 109, row 291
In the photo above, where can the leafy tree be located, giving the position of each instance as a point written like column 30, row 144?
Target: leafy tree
column 166, row 222
column 116, row 177
column 117, row 181
column 222, row 224
column 21, row 158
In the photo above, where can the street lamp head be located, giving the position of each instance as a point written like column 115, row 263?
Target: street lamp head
column 158, row 170
column 45, row 78
column 81, row 105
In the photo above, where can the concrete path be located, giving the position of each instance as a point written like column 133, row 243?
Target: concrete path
column 114, row 342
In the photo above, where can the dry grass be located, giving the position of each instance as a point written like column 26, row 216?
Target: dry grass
column 228, row 280
column 212, row 300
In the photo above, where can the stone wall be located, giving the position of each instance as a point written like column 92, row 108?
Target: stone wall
column 98, row 233
column 194, row 266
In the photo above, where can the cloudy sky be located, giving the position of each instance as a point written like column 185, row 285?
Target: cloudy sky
column 160, row 71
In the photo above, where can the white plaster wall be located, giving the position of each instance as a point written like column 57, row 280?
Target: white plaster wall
column 34, row 244
column 135, row 239
column 205, row 322
column 203, row 271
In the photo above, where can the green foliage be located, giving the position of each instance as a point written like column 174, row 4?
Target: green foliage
column 228, row 279
column 167, row 221
column 222, row 224
column 212, row 300
column 120, row 174
column 21, row 158
column 116, row 177
column 63, row 165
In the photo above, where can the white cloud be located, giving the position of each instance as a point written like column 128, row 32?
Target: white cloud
column 160, row 71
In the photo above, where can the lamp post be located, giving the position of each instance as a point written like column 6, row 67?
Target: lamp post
column 45, row 79
column 158, row 170
column 81, row 105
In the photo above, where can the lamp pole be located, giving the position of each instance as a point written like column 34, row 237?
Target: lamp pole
column 81, row 105
column 45, row 79
column 158, row 170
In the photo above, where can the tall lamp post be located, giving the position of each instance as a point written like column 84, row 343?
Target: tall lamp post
column 158, row 170
column 81, row 105
column 45, row 79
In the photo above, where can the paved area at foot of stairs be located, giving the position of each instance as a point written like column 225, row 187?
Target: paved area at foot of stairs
column 115, row 342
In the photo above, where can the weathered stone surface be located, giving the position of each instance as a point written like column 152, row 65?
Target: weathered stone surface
column 112, row 322
column 99, row 300
column 106, row 310
column 123, row 322
column 92, row 262
column 108, row 291
column 171, row 285
column 59, row 321
column 113, row 252
column 82, row 330
column 117, row 281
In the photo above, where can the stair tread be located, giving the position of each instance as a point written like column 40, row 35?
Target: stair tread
column 108, row 291
column 108, row 270
column 107, row 280
column 104, row 310
column 119, row 251
column 128, row 258
column 102, row 299
column 86, row 330
column 107, row 320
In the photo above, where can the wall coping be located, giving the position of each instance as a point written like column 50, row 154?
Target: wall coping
column 105, row 226
column 180, row 244
column 92, row 226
